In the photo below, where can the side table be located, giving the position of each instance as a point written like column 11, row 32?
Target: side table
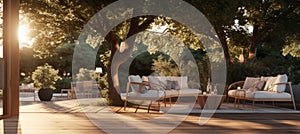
column 212, row 103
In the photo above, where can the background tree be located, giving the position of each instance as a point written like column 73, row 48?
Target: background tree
column 28, row 62
column 45, row 76
column 59, row 22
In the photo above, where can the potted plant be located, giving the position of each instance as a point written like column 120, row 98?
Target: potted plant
column 44, row 78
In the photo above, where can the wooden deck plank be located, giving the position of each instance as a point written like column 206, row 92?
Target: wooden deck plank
column 67, row 118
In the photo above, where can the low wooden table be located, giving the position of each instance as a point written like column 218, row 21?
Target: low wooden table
column 214, row 101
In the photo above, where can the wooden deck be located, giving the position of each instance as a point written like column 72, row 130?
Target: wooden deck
column 51, row 118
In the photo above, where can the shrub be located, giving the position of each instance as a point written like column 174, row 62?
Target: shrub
column 86, row 75
column 45, row 76
column 63, row 83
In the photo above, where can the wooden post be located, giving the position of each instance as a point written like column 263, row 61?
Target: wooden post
column 11, row 58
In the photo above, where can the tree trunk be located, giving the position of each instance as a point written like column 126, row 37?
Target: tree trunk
column 254, row 43
column 119, row 56
column 222, row 37
column 113, row 95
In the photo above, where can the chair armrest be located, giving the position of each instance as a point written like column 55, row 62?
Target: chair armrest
column 235, row 83
column 283, row 83
column 141, row 84
column 240, row 90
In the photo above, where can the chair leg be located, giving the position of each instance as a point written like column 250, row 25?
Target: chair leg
column 235, row 102
column 253, row 103
column 149, row 106
column 137, row 108
column 125, row 105
column 294, row 105
column 158, row 106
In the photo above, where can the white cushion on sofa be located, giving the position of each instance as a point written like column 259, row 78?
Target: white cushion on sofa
column 260, row 94
column 171, row 92
column 156, row 81
column 266, row 94
column 189, row 91
column 182, row 81
column 280, row 79
column 249, row 82
column 149, row 95
column 269, row 83
column 239, row 93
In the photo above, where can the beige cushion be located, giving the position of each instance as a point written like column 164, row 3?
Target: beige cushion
column 259, row 85
column 280, row 79
column 171, row 84
column 158, row 81
column 252, row 89
column 270, row 83
column 249, row 82
column 149, row 95
column 189, row 91
column 233, row 93
column 266, row 94
column 145, row 78
column 259, row 94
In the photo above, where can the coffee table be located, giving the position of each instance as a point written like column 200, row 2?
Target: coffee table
column 210, row 101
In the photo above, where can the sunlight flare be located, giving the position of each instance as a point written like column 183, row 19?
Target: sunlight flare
column 23, row 35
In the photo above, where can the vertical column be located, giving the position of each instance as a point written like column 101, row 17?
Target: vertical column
column 11, row 58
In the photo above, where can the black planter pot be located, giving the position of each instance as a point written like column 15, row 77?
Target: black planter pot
column 45, row 94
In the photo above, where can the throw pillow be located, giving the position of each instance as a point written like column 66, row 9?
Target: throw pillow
column 249, row 82
column 252, row 89
column 172, row 85
column 182, row 81
column 280, row 79
column 158, row 82
column 270, row 84
column 146, row 82
column 259, row 85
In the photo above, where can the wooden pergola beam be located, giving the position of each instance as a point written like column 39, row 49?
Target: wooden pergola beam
column 11, row 58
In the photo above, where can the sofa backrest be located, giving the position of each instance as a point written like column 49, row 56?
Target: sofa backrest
column 270, row 83
column 164, row 81
column 249, row 82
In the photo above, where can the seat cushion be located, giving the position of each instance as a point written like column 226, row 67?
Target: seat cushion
column 149, row 95
column 233, row 93
column 266, row 94
column 172, row 92
column 189, row 91
column 260, row 94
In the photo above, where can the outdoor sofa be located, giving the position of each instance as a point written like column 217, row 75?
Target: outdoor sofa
column 270, row 88
column 156, row 88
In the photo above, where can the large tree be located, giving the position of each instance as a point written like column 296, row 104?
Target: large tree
column 274, row 22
